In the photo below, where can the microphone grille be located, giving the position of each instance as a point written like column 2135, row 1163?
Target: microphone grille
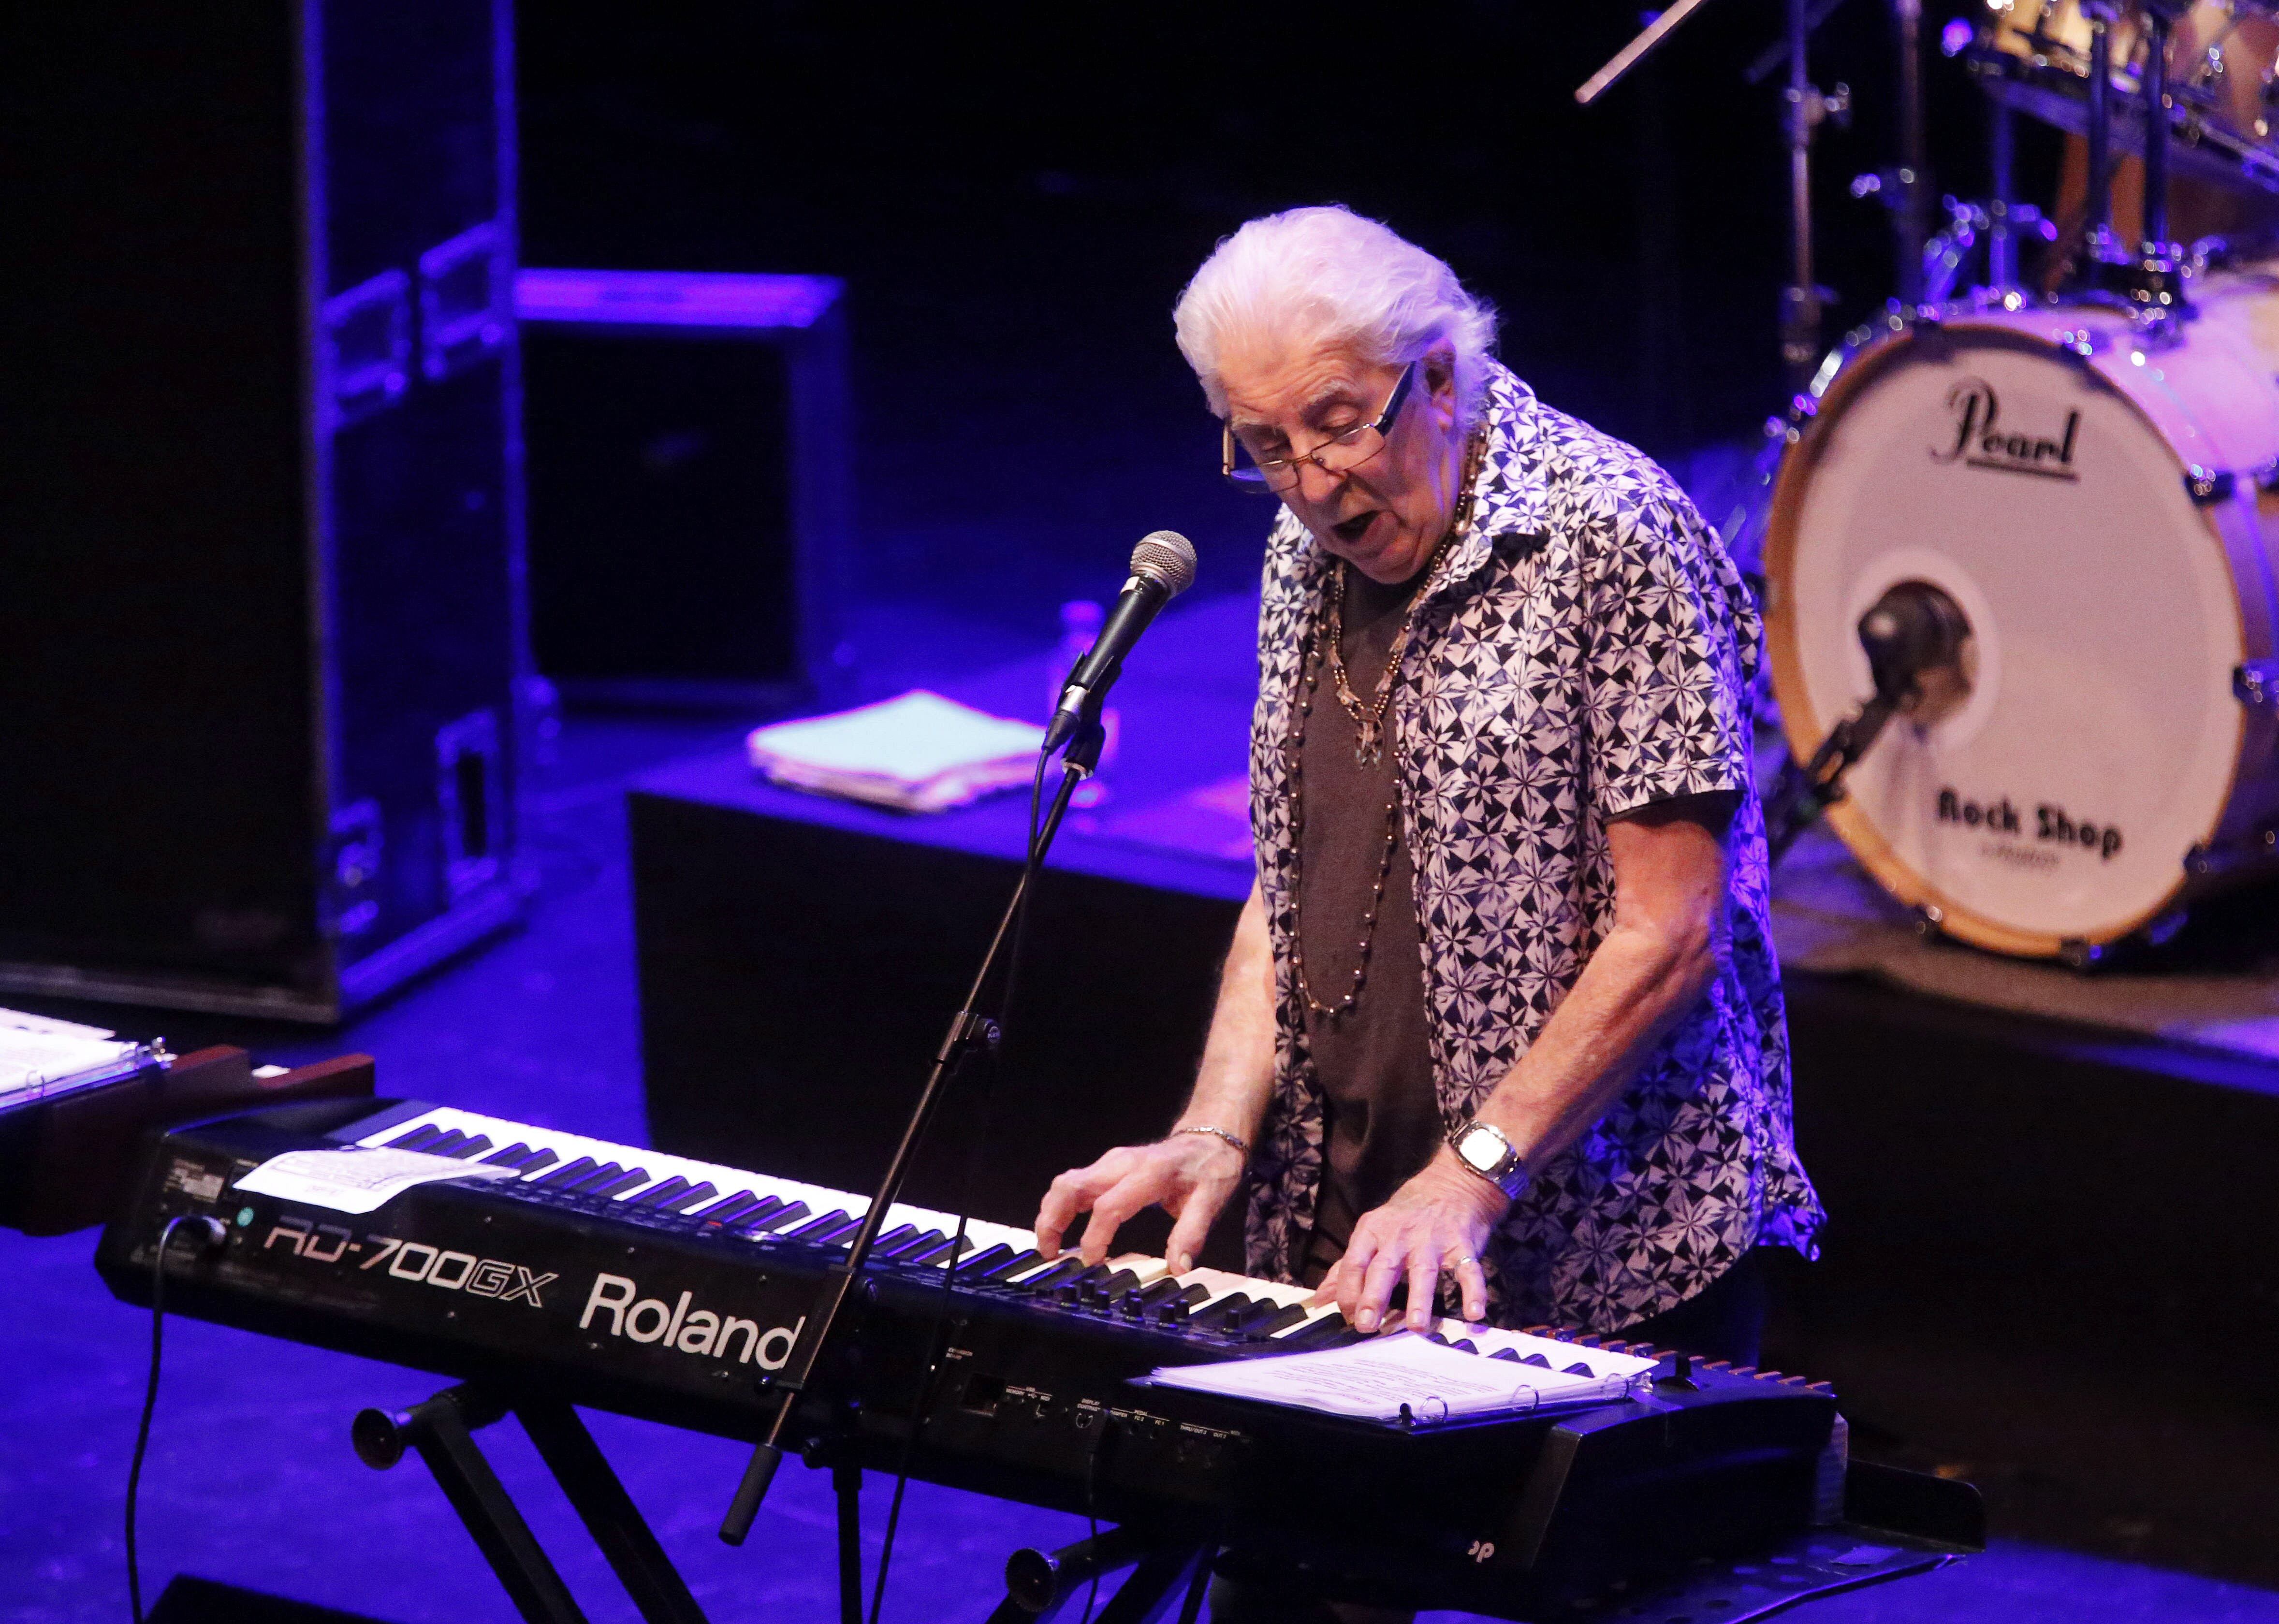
column 1167, row 558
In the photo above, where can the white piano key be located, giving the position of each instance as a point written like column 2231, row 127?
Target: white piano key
column 981, row 1234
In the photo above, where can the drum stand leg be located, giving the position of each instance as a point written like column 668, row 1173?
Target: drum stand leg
column 1041, row 1585
column 846, row 1485
column 443, row 1428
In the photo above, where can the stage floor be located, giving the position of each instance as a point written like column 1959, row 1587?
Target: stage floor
column 250, row 1478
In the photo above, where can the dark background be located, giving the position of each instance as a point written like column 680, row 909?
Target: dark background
column 1016, row 195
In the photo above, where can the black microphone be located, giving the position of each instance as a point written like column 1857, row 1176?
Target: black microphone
column 1163, row 567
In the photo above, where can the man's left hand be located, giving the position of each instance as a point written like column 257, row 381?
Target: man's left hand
column 1437, row 1222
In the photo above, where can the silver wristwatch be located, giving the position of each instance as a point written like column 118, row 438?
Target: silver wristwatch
column 1491, row 1155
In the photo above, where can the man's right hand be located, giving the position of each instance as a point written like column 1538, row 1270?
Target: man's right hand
column 1189, row 1175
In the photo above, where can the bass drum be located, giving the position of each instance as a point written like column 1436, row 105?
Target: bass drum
column 2089, row 501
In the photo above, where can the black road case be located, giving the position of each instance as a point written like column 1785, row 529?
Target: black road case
column 261, row 645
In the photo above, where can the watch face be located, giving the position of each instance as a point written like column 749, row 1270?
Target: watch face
column 1480, row 1149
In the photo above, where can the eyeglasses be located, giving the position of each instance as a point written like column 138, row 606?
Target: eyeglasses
column 1341, row 454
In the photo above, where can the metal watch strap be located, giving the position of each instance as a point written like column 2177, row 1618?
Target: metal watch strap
column 1510, row 1174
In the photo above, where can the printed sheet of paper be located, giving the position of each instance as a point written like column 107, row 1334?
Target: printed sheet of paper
column 356, row 1180
column 1374, row 1380
column 39, row 1055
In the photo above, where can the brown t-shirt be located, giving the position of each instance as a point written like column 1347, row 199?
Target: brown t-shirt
column 1382, row 1118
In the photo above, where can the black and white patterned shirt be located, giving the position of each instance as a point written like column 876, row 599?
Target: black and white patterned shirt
column 1587, row 649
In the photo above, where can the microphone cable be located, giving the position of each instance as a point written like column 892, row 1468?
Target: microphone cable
column 1030, row 867
column 211, row 1235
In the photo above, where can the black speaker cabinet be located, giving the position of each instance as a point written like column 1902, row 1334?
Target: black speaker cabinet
column 260, row 501
column 690, row 486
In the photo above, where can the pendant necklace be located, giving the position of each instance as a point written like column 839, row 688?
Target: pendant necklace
column 1368, row 724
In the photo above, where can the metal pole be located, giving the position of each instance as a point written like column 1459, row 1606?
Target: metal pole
column 2100, row 132
column 1914, row 162
column 1801, row 299
column 2156, row 133
column 2002, row 237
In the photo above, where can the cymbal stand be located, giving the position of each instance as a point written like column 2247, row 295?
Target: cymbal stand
column 2002, row 231
column 2099, row 247
column 1909, row 215
column 1803, row 299
column 2150, row 282
column 972, row 1035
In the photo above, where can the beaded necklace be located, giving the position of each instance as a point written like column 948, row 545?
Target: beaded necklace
column 1369, row 722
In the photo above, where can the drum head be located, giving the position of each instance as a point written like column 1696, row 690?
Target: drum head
column 2099, row 739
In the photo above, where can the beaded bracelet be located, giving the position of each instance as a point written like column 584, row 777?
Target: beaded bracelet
column 1216, row 1133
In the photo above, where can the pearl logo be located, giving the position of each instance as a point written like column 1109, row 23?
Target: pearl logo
column 1980, row 440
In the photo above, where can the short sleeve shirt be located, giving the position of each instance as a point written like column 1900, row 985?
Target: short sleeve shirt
column 1587, row 649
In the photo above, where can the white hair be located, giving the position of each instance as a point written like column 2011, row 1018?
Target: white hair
column 1326, row 275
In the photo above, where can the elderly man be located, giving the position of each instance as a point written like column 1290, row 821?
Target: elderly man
column 1502, row 1008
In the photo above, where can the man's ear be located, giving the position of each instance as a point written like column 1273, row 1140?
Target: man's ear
column 1440, row 379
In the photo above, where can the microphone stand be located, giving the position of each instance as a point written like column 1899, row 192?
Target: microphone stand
column 972, row 1035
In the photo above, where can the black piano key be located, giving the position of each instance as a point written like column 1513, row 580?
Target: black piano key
column 934, row 1251
column 1261, row 1312
column 1282, row 1319
column 545, row 1158
column 632, row 1178
column 660, row 1192
column 1536, row 1359
column 1226, row 1312
column 1465, row 1344
column 1067, row 1269
column 695, row 1195
column 983, row 1264
column 1192, row 1293
column 513, row 1156
column 568, row 1174
column 1149, row 1296
column 471, row 1148
column 766, row 1223
column 733, row 1208
column 446, row 1145
column 823, row 1230
column 1329, row 1331
column 894, row 1240
column 585, row 1182
column 1115, row 1284
column 1028, row 1258
column 1578, row 1368
column 418, row 1138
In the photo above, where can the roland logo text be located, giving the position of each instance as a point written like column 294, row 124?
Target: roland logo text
column 617, row 1302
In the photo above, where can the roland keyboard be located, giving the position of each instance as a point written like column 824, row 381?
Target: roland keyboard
column 660, row 1286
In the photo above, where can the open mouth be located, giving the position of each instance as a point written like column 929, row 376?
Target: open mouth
column 1350, row 531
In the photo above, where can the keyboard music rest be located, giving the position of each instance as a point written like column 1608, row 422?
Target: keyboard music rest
column 602, row 1300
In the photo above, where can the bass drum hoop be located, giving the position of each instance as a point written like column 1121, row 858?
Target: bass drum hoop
column 1806, row 731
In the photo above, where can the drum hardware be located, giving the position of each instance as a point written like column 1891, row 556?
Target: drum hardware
column 2255, row 684
column 1909, row 215
column 1918, row 644
column 1992, row 224
column 1805, row 108
column 2234, row 856
column 2207, row 486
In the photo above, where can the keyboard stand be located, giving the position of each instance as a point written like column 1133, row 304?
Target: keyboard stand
column 1041, row 1585
column 442, row 1431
